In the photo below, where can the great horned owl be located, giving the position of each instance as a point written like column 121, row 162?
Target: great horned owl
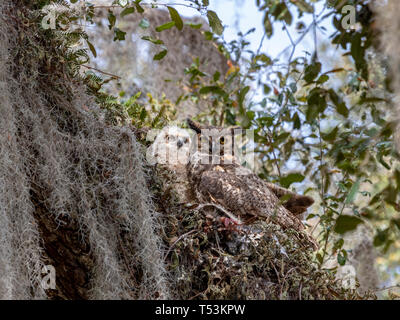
column 171, row 149
column 223, row 165
column 209, row 173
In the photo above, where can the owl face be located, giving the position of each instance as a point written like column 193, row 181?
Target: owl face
column 218, row 143
column 171, row 147
column 176, row 137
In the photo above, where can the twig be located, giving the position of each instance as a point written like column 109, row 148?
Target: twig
column 230, row 215
column 388, row 288
column 103, row 72
column 152, row 4
column 301, row 287
column 268, row 135
column 177, row 240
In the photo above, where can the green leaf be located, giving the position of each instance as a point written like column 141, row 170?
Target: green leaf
column 194, row 25
column 371, row 100
column 144, row 23
column 206, row 3
column 353, row 192
column 342, row 109
column 215, row 22
column 312, row 71
column 296, row 121
column 176, row 18
column 268, row 25
column 160, row 55
column 143, row 114
column 153, row 40
column 111, row 20
column 212, row 89
column 138, row 7
column 381, row 237
column 396, row 222
column 285, row 198
column 303, row 6
column 322, row 79
column 216, row 76
column 342, row 257
column 340, row 105
column 293, row 87
column 165, row 26
column 316, row 104
column 346, row 223
column 319, row 258
column 241, row 95
column 92, row 48
column 127, row 11
column 291, row 178
column 331, row 136
column 357, row 50
column 338, row 244
column 119, row 34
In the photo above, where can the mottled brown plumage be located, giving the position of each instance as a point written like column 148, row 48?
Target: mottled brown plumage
column 244, row 195
column 242, row 192
column 211, row 176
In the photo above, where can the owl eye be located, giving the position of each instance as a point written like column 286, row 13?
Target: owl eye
column 222, row 140
column 167, row 137
column 186, row 140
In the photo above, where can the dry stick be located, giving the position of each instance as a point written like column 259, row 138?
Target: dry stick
column 268, row 135
column 298, row 40
column 230, row 215
column 147, row 4
column 279, row 281
column 177, row 240
column 103, row 72
column 301, row 287
column 388, row 288
column 197, row 294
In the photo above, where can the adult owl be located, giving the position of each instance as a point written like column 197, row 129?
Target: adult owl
column 217, row 177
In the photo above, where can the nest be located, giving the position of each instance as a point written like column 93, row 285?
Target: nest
column 211, row 258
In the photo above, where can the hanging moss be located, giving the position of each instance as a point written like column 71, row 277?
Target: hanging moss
column 72, row 190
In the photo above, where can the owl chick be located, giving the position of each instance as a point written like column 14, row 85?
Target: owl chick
column 171, row 149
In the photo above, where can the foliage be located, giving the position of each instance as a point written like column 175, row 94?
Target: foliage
column 340, row 135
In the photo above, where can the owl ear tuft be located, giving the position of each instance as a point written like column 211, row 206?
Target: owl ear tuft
column 194, row 125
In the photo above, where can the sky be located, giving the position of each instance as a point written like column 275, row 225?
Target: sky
column 243, row 15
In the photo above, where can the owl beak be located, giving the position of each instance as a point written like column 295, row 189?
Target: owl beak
column 180, row 144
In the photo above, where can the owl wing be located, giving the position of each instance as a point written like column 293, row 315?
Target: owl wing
column 245, row 196
column 295, row 203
